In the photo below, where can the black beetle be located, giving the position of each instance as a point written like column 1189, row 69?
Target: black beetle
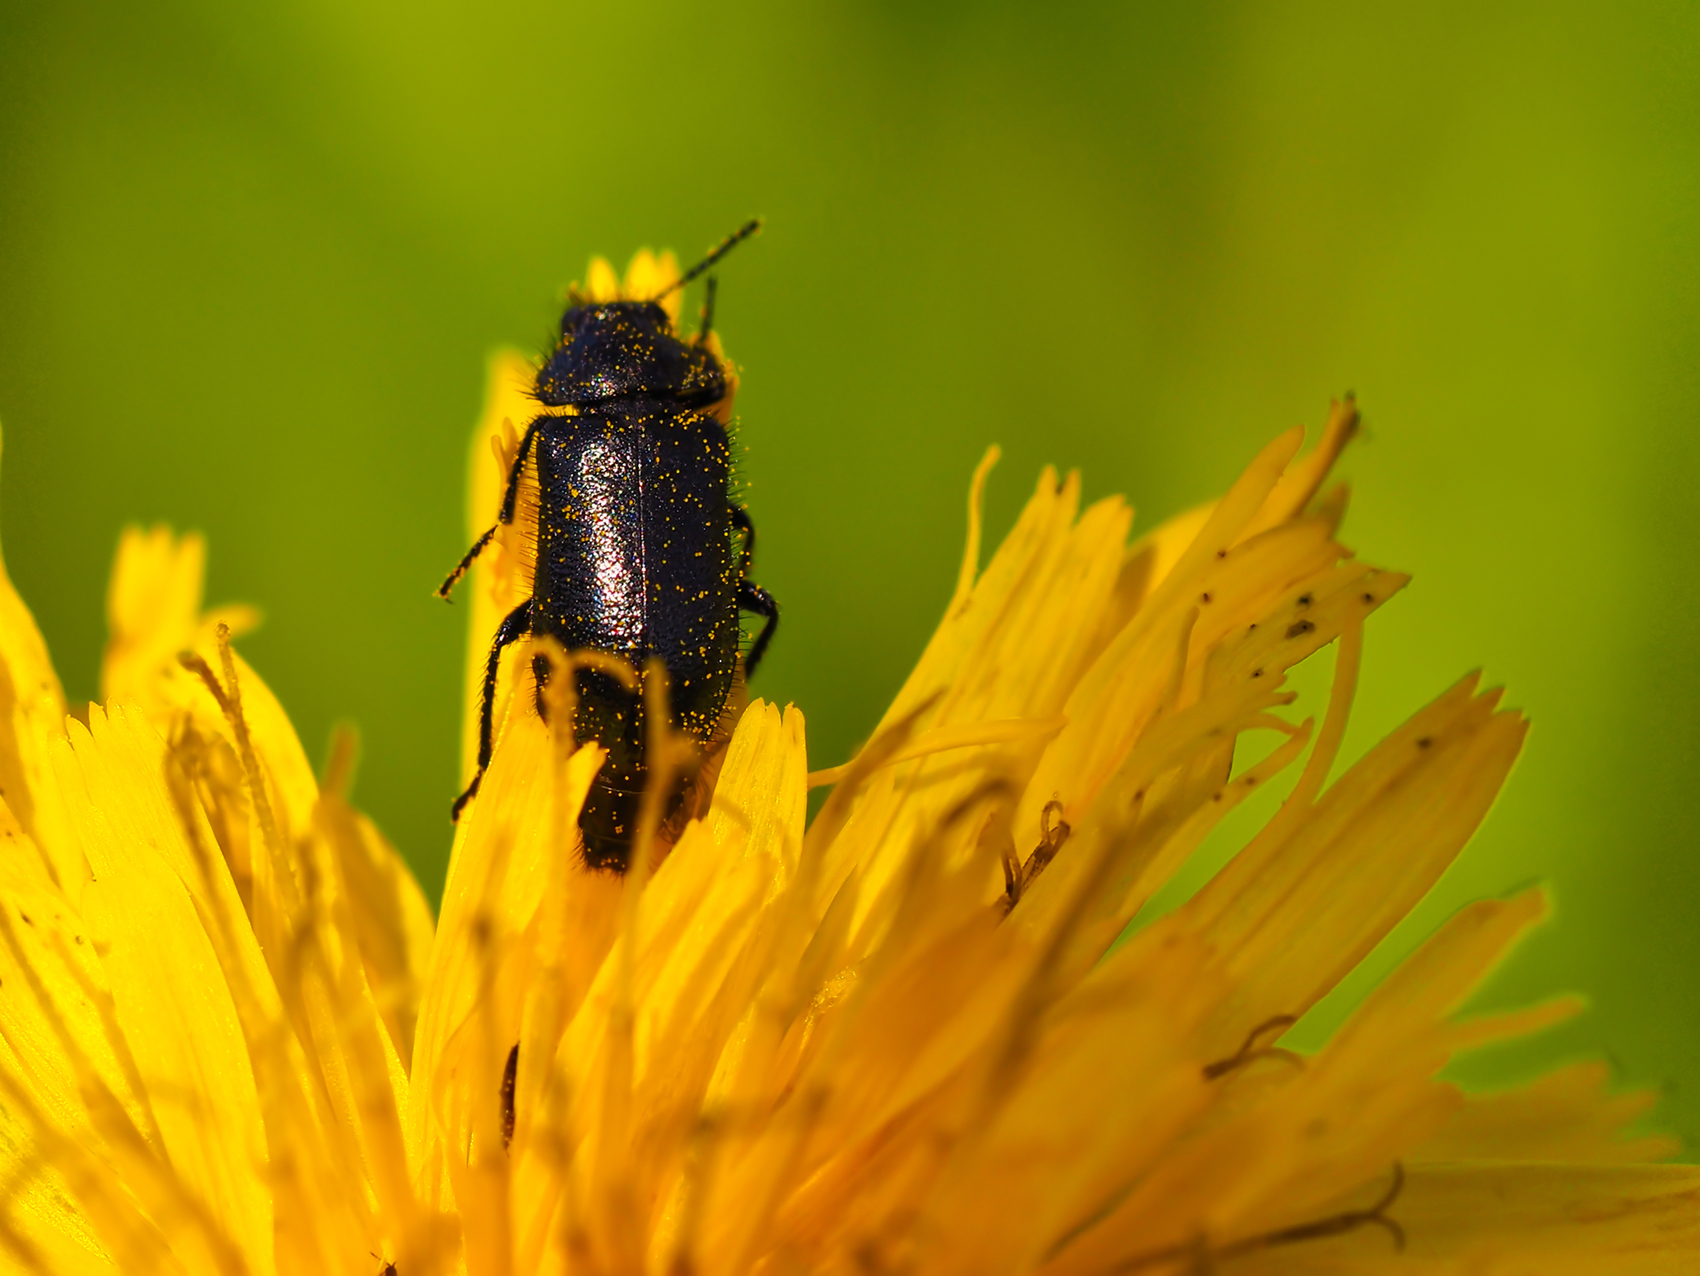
column 635, row 542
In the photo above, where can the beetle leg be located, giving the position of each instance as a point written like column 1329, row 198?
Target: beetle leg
column 510, row 498
column 465, row 563
column 514, row 626
column 741, row 521
column 753, row 598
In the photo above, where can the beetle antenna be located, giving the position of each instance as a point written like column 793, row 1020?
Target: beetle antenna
column 726, row 245
column 707, row 324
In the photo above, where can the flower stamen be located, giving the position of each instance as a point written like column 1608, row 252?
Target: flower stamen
column 1203, row 1258
column 230, row 703
column 1018, row 877
column 1250, row 1051
column 1334, row 1224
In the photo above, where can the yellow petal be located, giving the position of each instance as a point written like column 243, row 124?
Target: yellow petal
column 168, row 989
column 1565, row 1116
column 393, row 923
column 153, row 611
column 31, row 706
column 1304, row 903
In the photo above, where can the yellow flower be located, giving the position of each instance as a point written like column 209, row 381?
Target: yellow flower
column 901, row 1038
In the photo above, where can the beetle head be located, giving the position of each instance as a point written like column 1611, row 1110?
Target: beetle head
column 626, row 349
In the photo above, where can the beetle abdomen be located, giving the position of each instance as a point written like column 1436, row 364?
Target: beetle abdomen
column 692, row 573
column 637, row 561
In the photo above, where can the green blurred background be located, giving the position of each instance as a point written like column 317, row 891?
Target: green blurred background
column 254, row 258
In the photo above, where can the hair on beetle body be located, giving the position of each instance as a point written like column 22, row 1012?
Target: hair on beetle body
column 641, row 552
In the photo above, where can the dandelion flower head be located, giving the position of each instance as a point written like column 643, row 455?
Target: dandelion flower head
column 929, row 1031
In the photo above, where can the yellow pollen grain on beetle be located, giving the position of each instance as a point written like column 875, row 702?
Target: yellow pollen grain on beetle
column 919, row 1033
